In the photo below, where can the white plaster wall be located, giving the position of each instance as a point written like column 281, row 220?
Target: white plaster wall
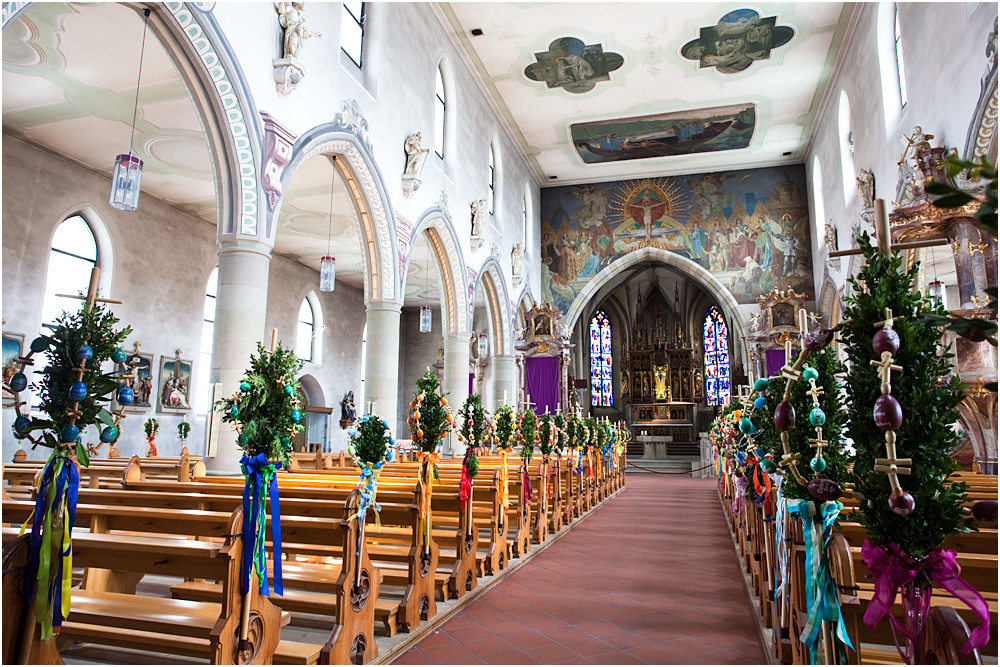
column 161, row 262
column 403, row 44
column 944, row 57
column 417, row 351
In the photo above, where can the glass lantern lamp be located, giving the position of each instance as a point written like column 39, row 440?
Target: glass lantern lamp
column 483, row 347
column 935, row 290
column 425, row 319
column 327, row 273
column 126, row 181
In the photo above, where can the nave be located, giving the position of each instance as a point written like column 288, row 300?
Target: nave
column 649, row 578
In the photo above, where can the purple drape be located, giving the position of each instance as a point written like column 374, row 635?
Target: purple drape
column 470, row 383
column 775, row 360
column 542, row 375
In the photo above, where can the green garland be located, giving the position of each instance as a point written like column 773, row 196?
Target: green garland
column 370, row 439
column 265, row 411
column 473, row 431
column 429, row 415
column 183, row 430
column 572, row 431
column 928, row 403
column 503, row 427
column 527, row 433
column 546, row 434
column 559, row 422
column 151, row 428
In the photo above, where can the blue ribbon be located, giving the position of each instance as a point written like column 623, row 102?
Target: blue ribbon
column 368, row 486
column 256, row 470
column 67, row 482
column 822, row 601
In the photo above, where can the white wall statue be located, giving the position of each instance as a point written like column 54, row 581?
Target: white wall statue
column 478, row 222
column 415, row 158
column 517, row 263
column 288, row 71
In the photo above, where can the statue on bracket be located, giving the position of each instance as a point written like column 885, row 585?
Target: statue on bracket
column 910, row 180
column 478, row 222
column 517, row 263
column 415, row 158
column 348, row 413
column 288, row 71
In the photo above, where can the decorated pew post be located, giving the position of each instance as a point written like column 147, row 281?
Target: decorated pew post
column 900, row 411
column 547, row 439
column 526, row 436
column 430, row 422
column 473, row 433
column 265, row 413
column 183, row 431
column 72, row 390
column 151, row 428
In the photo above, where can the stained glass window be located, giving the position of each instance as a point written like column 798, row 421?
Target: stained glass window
column 600, row 361
column 717, row 388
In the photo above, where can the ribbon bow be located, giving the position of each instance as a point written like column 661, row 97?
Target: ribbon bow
column 465, row 487
column 822, row 600
column 428, row 461
column 893, row 569
column 260, row 479
column 368, row 487
column 504, row 480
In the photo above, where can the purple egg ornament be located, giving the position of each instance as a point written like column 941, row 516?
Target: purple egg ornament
column 985, row 511
column 818, row 339
column 887, row 413
column 886, row 340
column 903, row 504
column 784, row 416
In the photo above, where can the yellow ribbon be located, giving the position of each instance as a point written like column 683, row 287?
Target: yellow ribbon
column 426, row 481
column 504, row 491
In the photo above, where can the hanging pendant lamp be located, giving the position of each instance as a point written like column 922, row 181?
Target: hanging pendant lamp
column 425, row 310
column 328, row 263
column 128, row 168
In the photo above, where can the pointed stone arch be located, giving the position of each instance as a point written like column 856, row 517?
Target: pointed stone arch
column 524, row 303
column 491, row 278
column 346, row 137
column 437, row 224
column 709, row 283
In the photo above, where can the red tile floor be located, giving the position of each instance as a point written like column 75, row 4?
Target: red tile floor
column 650, row 577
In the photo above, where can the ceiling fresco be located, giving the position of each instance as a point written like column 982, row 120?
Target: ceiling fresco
column 573, row 66
column 69, row 76
column 776, row 57
column 678, row 133
column 739, row 39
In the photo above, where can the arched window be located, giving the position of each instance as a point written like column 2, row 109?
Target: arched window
column 846, row 146
column 304, row 332
column 600, row 361
column 72, row 258
column 817, row 191
column 717, row 389
column 440, row 106
column 202, row 394
column 491, row 193
column 898, row 43
column 352, row 30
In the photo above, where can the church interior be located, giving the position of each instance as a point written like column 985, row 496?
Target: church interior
column 506, row 333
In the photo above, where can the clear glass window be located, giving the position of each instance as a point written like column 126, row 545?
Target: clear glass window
column 352, row 30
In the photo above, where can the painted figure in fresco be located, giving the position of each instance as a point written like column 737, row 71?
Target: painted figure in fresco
column 594, row 205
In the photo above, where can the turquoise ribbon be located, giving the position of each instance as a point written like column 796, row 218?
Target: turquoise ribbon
column 821, row 589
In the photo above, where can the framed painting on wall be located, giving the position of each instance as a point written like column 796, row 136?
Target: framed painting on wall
column 175, row 385
column 143, row 384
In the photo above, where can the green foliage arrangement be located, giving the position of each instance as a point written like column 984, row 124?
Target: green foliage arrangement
column 265, row 411
column 503, row 428
column 473, row 431
column 151, row 428
column 928, row 401
column 559, row 422
column 183, row 429
column 370, row 440
column 835, row 456
column 546, row 434
column 589, row 439
column 430, row 416
column 526, row 434
column 573, row 431
column 94, row 327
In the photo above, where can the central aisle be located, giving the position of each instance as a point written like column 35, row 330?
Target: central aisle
column 650, row 577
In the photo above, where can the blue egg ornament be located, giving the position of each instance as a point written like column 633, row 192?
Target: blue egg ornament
column 119, row 356
column 759, row 403
column 810, row 374
column 244, row 387
column 21, row 424
column 818, row 464
column 296, row 416
column 126, row 396
column 18, row 382
column 289, row 389
column 77, row 391
column 109, row 434
column 84, row 353
column 761, row 384
column 70, row 434
column 746, row 426
column 389, row 456
column 39, row 345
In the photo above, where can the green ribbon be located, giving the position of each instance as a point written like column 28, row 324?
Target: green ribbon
column 822, row 600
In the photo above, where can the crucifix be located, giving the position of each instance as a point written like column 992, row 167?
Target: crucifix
column 91, row 296
column 527, row 402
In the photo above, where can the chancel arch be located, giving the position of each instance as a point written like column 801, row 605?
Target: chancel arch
column 491, row 314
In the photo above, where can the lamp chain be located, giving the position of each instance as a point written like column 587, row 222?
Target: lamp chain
column 142, row 52
column 333, row 183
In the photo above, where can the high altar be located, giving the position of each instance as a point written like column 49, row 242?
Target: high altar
column 660, row 380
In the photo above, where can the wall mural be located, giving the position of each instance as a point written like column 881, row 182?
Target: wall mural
column 573, row 66
column 736, row 41
column 678, row 133
column 749, row 228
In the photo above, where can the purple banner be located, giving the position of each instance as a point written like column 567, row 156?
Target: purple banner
column 542, row 374
column 471, row 375
column 775, row 360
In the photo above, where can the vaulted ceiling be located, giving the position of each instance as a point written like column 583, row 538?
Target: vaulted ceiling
column 663, row 77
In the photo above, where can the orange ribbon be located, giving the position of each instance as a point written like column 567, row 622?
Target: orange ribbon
column 152, row 446
column 504, row 491
column 426, row 481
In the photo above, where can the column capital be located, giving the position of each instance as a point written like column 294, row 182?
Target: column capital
column 452, row 337
column 389, row 306
column 504, row 357
column 237, row 244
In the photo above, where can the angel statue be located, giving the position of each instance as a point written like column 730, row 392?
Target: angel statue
column 292, row 21
column 517, row 260
column 478, row 217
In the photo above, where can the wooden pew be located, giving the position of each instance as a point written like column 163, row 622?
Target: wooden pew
column 205, row 630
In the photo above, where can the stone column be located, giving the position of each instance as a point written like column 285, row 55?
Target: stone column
column 503, row 380
column 456, row 382
column 382, row 360
column 240, row 310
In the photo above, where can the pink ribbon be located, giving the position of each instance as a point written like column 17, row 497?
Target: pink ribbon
column 529, row 493
column 892, row 569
